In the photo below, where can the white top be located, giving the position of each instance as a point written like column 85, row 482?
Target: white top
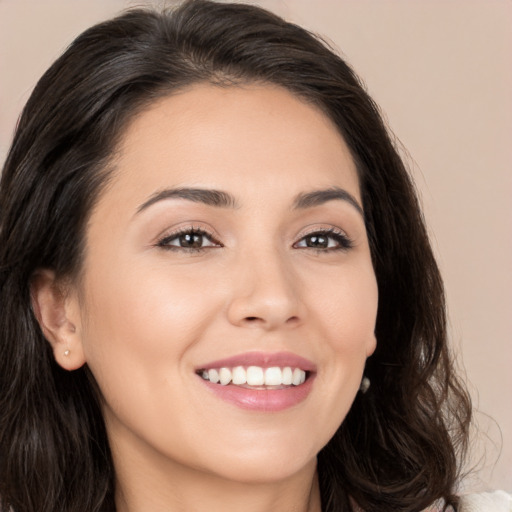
column 497, row 501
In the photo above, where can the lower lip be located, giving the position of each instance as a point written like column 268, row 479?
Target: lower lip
column 262, row 400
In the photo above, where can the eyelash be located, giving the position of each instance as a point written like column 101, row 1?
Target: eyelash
column 164, row 243
column 344, row 243
column 340, row 237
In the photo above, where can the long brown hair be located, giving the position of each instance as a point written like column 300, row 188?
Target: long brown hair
column 399, row 446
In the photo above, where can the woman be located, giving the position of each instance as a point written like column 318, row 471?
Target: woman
column 216, row 288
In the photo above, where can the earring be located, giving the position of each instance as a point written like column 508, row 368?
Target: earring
column 66, row 352
column 365, row 385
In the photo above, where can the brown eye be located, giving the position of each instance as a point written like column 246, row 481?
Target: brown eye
column 192, row 239
column 325, row 240
column 317, row 241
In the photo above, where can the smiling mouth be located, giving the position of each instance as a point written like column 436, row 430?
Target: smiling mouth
column 255, row 377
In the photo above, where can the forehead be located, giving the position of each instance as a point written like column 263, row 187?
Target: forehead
column 236, row 136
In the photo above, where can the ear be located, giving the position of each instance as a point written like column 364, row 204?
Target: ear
column 58, row 313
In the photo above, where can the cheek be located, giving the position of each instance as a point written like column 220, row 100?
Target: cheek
column 139, row 327
column 347, row 309
column 138, row 319
column 346, row 316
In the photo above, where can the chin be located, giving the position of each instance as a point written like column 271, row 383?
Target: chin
column 270, row 470
column 264, row 464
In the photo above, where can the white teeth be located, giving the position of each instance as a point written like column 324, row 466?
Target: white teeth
column 213, row 376
column 225, row 376
column 287, row 376
column 273, row 376
column 256, row 376
column 299, row 376
column 239, row 375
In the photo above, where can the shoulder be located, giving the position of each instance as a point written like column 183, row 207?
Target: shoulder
column 497, row 501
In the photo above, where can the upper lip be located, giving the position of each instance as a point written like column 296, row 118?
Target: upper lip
column 262, row 359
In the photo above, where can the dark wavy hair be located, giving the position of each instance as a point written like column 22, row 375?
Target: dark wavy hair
column 399, row 446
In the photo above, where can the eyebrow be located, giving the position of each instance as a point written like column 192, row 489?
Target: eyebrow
column 319, row 197
column 209, row 197
column 221, row 199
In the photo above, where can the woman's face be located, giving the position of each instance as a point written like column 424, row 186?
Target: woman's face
column 230, row 240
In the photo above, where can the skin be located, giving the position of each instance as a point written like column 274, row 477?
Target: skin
column 143, row 316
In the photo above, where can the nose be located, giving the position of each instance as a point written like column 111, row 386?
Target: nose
column 265, row 293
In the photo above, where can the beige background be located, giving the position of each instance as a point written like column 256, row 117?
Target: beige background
column 441, row 71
